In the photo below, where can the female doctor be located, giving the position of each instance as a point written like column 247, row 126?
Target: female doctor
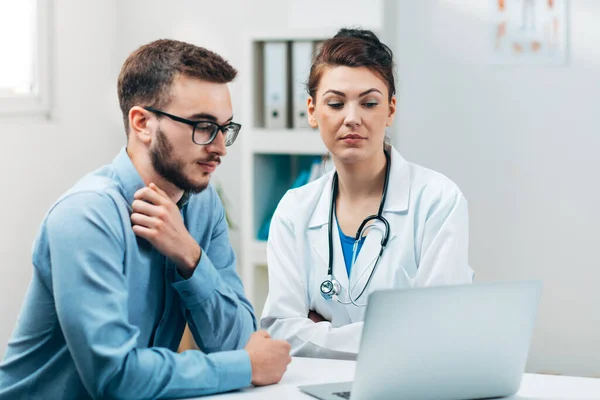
column 375, row 222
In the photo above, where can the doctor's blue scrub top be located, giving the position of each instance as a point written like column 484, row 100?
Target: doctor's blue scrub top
column 347, row 248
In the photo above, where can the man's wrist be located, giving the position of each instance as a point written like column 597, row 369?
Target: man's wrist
column 190, row 260
column 252, row 368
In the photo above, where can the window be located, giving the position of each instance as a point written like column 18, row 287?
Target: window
column 24, row 44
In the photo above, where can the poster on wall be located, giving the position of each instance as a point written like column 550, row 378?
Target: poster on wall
column 528, row 32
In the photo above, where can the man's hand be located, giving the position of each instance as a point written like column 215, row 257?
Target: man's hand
column 315, row 316
column 269, row 358
column 157, row 219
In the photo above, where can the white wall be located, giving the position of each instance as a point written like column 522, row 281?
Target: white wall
column 522, row 142
column 40, row 159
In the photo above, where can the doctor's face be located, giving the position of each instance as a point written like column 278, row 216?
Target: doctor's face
column 351, row 110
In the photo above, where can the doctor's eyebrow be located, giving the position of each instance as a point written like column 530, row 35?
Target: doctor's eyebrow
column 342, row 94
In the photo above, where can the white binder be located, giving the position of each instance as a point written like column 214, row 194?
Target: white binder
column 302, row 52
column 276, row 82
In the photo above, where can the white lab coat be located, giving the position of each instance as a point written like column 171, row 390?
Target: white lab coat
column 428, row 245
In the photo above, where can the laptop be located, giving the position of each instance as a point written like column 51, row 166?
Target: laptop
column 442, row 343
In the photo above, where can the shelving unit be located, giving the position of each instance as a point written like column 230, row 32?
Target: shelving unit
column 271, row 158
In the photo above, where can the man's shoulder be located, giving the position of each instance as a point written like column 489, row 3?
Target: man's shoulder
column 95, row 192
column 93, row 205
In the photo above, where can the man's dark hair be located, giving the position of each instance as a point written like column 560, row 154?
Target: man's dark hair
column 148, row 73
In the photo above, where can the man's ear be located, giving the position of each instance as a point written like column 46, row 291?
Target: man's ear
column 140, row 124
column 392, row 112
column 310, row 108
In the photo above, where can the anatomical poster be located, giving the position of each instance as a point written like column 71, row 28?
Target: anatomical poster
column 528, row 31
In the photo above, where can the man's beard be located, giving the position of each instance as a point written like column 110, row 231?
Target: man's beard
column 167, row 165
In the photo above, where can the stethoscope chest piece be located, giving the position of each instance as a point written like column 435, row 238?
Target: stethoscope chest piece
column 329, row 288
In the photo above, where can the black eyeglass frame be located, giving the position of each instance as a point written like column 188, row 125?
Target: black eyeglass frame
column 194, row 125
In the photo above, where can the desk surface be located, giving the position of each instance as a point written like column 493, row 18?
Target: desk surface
column 308, row 371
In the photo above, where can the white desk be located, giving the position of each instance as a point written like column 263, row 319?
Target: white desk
column 307, row 371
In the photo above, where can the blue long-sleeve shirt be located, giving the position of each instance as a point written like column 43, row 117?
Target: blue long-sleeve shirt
column 105, row 311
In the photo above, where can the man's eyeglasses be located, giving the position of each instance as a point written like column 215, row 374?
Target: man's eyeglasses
column 204, row 132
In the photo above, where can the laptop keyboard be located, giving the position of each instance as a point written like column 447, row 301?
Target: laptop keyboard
column 343, row 395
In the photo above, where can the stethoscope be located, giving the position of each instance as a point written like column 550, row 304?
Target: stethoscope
column 330, row 288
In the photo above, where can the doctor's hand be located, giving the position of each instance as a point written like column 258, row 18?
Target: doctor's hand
column 157, row 219
column 269, row 358
column 316, row 317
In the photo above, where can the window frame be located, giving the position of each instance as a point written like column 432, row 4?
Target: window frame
column 38, row 103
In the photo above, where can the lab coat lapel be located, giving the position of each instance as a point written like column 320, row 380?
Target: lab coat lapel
column 359, row 274
column 319, row 238
column 396, row 203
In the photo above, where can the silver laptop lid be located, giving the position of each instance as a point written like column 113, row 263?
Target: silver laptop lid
column 447, row 342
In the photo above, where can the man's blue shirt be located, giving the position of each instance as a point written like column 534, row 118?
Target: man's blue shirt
column 105, row 311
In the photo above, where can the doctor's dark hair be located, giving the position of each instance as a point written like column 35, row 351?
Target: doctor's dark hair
column 149, row 72
column 353, row 48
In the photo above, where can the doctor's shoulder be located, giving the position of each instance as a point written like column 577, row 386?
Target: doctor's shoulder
column 300, row 202
column 429, row 187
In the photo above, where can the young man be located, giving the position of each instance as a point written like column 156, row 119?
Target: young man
column 140, row 247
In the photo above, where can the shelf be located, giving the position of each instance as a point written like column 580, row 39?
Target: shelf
column 287, row 141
